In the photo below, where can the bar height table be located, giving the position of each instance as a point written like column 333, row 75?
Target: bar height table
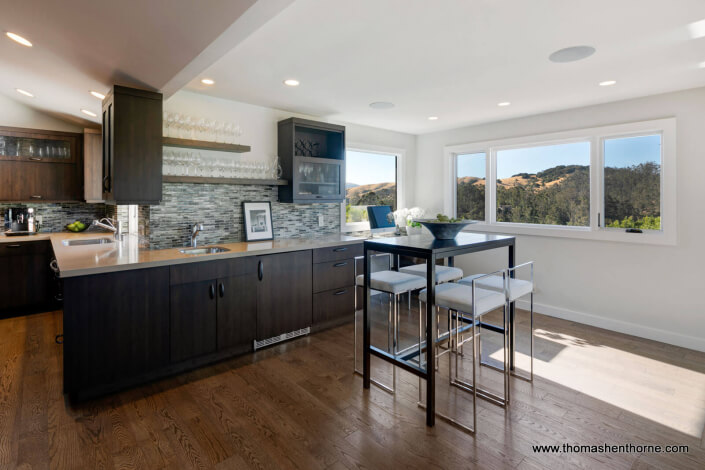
column 428, row 248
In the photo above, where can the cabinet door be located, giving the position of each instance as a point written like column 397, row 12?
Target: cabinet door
column 237, row 312
column 116, row 327
column 284, row 293
column 26, row 279
column 193, row 319
column 318, row 179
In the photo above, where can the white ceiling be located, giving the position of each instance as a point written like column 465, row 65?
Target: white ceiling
column 457, row 59
column 82, row 45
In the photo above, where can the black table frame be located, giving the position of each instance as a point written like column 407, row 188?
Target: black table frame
column 439, row 250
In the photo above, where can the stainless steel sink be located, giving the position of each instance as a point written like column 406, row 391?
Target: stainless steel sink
column 87, row 241
column 208, row 250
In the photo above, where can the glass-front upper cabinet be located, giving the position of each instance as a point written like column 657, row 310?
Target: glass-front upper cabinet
column 26, row 145
column 318, row 178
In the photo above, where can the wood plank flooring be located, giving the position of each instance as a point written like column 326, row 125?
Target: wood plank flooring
column 297, row 405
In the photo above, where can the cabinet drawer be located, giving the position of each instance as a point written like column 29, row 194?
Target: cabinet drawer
column 333, row 306
column 24, row 248
column 334, row 274
column 208, row 270
column 335, row 253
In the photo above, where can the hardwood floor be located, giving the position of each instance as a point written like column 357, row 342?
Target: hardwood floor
column 297, row 405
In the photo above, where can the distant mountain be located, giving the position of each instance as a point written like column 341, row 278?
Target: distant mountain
column 375, row 194
column 351, row 185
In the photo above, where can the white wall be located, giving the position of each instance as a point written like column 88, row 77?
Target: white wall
column 16, row 114
column 259, row 125
column 650, row 291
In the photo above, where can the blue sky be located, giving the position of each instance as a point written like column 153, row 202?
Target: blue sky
column 618, row 153
column 369, row 168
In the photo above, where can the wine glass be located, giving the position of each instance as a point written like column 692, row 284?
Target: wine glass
column 165, row 124
column 188, row 127
column 219, row 128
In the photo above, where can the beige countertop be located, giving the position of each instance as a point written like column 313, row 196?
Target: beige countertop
column 126, row 254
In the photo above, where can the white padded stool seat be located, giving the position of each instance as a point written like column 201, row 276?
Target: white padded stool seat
column 459, row 297
column 516, row 287
column 443, row 273
column 392, row 281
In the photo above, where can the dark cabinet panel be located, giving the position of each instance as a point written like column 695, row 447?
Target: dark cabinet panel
column 116, row 328
column 333, row 307
column 327, row 276
column 284, row 293
column 132, row 146
column 237, row 312
column 193, row 320
column 25, row 277
column 335, row 253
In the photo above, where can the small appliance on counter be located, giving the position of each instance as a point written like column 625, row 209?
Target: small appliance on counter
column 20, row 221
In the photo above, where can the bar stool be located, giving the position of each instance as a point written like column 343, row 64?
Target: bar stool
column 516, row 289
column 466, row 304
column 394, row 284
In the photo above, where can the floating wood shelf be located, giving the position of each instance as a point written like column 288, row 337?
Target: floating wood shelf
column 206, row 180
column 204, row 145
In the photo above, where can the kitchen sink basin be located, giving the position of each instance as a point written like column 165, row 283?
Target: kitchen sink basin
column 209, row 250
column 89, row 241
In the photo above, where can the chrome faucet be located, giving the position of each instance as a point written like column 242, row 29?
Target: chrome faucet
column 113, row 225
column 195, row 230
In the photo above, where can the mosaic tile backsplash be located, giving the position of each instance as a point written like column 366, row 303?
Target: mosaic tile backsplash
column 56, row 216
column 219, row 208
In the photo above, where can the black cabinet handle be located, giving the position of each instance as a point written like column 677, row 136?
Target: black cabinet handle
column 340, row 249
column 260, row 270
column 341, row 292
column 211, row 291
column 340, row 265
column 106, row 183
column 221, row 290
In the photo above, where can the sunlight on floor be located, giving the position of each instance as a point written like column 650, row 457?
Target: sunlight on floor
column 670, row 395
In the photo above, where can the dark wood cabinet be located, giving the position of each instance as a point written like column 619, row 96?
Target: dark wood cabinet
column 25, row 278
column 237, row 312
column 193, row 319
column 116, row 329
column 38, row 165
column 284, row 293
column 213, row 307
column 132, row 146
column 313, row 161
column 334, row 285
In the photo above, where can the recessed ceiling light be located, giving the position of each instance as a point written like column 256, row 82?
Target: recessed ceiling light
column 381, row 105
column 571, row 54
column 207, row 81
column 701, row 65
column 19, row 39
column 504, row 103
column 291, row 82
column 433, row 118
column 89, row 113
column 100, row 96
column 24, row 92
column 608, row 83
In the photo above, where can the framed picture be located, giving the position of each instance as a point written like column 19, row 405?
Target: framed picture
column 258, row 221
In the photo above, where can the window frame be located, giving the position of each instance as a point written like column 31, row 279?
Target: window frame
column 596, row 136
column 381, row 150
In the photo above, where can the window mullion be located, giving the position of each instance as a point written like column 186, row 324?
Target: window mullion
column 491, row 187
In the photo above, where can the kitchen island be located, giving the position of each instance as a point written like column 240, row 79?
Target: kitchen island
column 133, row 315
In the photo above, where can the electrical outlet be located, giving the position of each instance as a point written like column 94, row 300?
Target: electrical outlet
column 321, row 221
column 40, row 219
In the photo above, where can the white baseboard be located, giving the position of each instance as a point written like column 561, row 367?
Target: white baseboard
column 642, row 331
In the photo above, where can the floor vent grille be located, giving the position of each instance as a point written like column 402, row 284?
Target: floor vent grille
column 282, row 337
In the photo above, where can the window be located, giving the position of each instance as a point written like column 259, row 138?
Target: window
column 371, row 179
column 632, row 182
column 599, row 183
column 548, row 184
column 470, row 185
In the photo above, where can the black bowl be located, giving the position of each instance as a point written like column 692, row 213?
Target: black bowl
column 444, row 230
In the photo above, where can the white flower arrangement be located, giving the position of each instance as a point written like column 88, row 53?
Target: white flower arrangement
column 404, row 217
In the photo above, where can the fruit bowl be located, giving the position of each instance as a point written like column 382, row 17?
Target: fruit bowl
column 444, row 230
column 75, row 228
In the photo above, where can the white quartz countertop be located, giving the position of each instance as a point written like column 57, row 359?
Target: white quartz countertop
column 81, row 260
